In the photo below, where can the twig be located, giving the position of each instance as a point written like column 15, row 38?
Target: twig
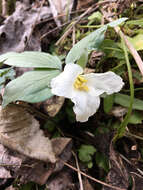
column 132, row 50
column 73, row 25
column 128, row 134
column 51, row 31
column 64, row 24
column 79, row 174
column 4, row 8
column 128, row 161
column 92, row 178
column 73, row 36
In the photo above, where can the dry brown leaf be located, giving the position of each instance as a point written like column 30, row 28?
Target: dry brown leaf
column 16, row 32
column 62, row 148
column 53, row 105
column 61, row 181
column 14, row 164
column 118, row 111
column 20, row 131
column 11, row 188
column 87, row 185
column 84, row 4
column 118, row 174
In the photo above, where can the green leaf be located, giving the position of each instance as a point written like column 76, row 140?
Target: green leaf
column 32, row 86
column 102, row 161
column 83, row 59
column 27, row 186
column 135, row 22
column 90, row 164
column 112, row 49
column 137, row 41
column 33, row 59
column 96, row 15
column 136, row 118
column 90, row 42
column 85, row 153
column 124, row 100
column 117, row 22
column 108, row 103
column 6, row 74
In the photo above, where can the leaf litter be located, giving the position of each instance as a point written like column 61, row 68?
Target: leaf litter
column 22, row 156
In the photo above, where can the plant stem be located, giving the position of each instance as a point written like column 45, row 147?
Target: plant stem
column 122, row 128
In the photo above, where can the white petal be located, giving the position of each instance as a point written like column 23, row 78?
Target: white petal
column 107, row 82
column 62, row 85
column 86, row 104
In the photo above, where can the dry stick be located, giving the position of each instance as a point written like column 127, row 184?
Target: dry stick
column 132, row 50
column 4, row 8
column 74, row 23
column 79, row 174
column 61, row 15
column 92, row 178
column 62, row 25
column 73, row 36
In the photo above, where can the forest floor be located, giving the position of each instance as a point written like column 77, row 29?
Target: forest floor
column 105, row 152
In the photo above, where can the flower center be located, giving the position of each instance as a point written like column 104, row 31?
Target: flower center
column 80, row 83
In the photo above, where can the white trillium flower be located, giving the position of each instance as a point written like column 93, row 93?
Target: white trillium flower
column 84, row 90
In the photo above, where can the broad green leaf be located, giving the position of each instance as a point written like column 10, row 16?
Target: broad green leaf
column 83, row 59
column 135, row 22
column 5, row 74
column 108, row 103
column 112, row 49
column 124, row 100
column 32, row 86
column 136, row 118
column 33, row 59
column 137, row 42
column 90, row 42
column 117, row 22
column 86, row 152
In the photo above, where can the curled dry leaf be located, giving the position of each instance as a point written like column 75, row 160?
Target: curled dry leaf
column 20, row 131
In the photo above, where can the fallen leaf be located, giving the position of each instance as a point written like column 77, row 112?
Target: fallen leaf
column 53, row 105
column 87, row 185
column 16, row 32
column 84, row 4
column 15, row 164
column 118, row 175
column 20, row 131
column 61, row 181
column 118, row 111
column 62, row 149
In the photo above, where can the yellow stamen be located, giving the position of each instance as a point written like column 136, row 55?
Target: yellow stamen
column 81, row 78
column 80, row 82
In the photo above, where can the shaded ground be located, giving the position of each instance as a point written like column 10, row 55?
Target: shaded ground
column 87, row 146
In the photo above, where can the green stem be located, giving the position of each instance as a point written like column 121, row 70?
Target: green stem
column 122, row 128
